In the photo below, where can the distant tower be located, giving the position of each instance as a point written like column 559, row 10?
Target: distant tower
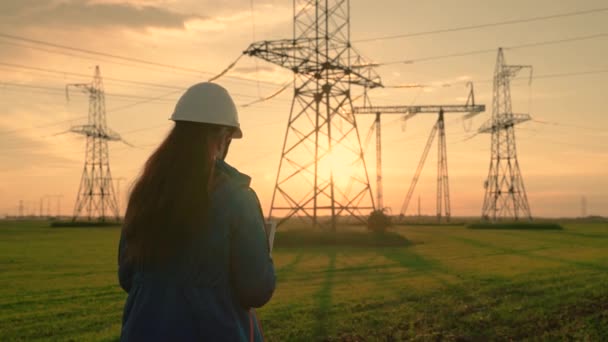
column 96, row 197
column 505, row 194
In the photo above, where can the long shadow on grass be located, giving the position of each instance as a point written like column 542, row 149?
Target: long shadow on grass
column 411, row 260
column 492, row 308
column 594, row 236
column 291, row 266
column 559, row 237
column 527, row 254
column 324, row 298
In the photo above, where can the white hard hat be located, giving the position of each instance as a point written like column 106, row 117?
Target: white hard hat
column 208, row 103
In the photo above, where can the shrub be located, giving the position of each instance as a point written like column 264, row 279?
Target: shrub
column 378, row 221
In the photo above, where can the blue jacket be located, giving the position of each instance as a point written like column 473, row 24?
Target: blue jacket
column 209, row 289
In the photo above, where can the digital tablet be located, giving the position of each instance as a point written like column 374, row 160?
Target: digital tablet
column 271, row 228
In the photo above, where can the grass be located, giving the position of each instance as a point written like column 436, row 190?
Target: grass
column 517, row 225
column 444, row 283
column 83, row 224
column 346, row 238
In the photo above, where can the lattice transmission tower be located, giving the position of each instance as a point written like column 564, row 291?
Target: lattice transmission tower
column 96, row 198
column 470, row 109
column 322, row 171
column 505, row 194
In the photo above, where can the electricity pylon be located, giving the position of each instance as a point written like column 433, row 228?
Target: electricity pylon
column 505, row 194
column 322, row 134
column 96, row 198
column 443, row 187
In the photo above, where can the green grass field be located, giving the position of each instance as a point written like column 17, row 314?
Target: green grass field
column 448, row 283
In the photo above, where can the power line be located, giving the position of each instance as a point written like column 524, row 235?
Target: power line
column 536, row 77
column 558, row 75
column 99, row 53
column 136, row 83
column 68, row 73
column 564, row 143
column 19, row 147
column 54, row 123
column 113, row 56
column 121, row 80
column 553, row 123
column 27, row 91
column 114, row 109
column 147, row 99
column 478, row 26
column 144, row 100
column 53, row 90
column 569, row 74
column 492, row 50
column 269, row 97
column 96, row 59
column 111, row 110
column 128, row 96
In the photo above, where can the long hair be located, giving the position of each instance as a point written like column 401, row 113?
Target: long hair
column 170, row 200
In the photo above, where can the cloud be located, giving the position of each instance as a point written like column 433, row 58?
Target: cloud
column 22, row 154
column 28, row 143
column 79, row 14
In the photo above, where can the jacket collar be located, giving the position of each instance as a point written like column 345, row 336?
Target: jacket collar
column 232, row 173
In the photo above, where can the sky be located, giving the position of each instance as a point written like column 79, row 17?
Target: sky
column 563, row 152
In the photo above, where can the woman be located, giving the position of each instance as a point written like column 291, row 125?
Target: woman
column 193, row 254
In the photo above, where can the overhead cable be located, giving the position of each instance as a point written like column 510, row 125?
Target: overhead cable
column 112, row 56
column 492, row 50
column 479, row 26
column 282, row 89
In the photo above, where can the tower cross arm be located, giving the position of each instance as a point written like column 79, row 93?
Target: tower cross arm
column 510, row 71
column 358, row 77
column 300, row 56
column 293, row 54
column 428, row 109
column 92, row 131
column 503, row 121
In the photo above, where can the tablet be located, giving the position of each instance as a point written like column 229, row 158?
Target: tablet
column 271, row 228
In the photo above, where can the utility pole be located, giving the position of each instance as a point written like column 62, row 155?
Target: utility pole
column 96, row 197
column 21, row 208
column 443, row 194
column 321, row 124
column 505, row 194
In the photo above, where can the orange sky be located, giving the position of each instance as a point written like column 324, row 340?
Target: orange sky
column 561, row 160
